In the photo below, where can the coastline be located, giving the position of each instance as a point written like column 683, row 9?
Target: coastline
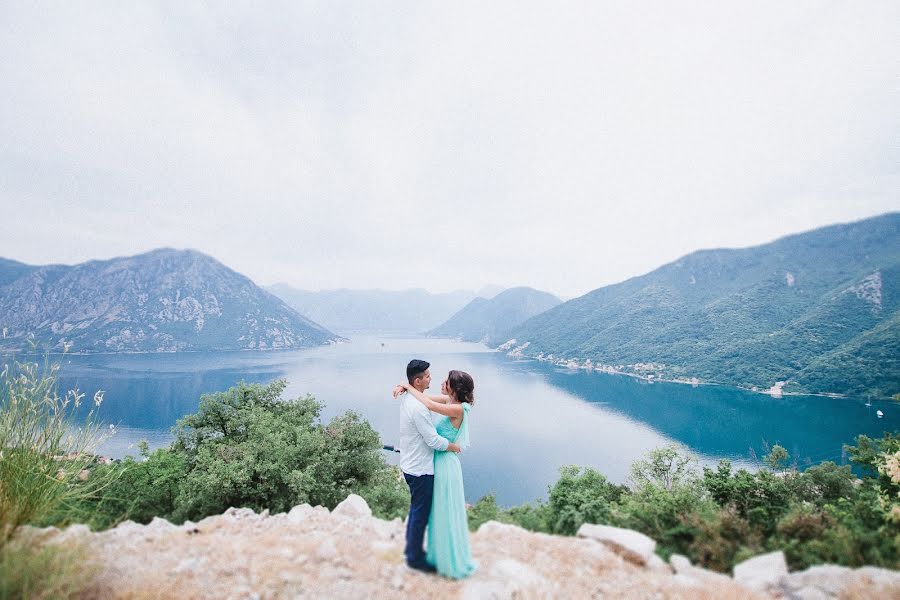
column 518, row 351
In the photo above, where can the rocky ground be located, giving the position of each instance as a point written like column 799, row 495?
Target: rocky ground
column 313, row 553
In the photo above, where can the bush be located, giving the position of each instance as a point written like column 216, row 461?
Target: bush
column 533, row 517
column 664, row 468
column 671, row 517
column 484, row 510
column 249, row 447
column 142, row 490
column 580, row 496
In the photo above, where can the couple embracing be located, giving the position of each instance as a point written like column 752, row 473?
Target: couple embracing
column 430, row 465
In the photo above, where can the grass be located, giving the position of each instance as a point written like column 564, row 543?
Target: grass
column 43, row 572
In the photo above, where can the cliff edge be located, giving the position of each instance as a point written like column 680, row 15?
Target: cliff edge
column 347, row 553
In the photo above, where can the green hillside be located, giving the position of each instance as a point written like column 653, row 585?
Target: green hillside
column 817, row 310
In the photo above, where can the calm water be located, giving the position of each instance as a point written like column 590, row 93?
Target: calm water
column 529, row 418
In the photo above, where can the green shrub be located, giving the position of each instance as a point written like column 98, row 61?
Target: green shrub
column 671, row 517
column 719, row 541
column 249, row 447
column 580, row 496
column 484, row 510
column 143, row 489
column 533, row 517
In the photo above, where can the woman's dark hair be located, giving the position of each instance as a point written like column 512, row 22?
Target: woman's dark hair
column 463, row 386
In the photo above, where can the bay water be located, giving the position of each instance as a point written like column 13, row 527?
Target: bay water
column 529, row 417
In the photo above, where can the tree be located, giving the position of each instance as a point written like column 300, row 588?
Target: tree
column 777, row 458
column 666, row 468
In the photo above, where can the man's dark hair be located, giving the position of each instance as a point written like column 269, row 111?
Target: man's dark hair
column 415, row 368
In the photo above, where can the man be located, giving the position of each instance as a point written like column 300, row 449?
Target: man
column 418, row 441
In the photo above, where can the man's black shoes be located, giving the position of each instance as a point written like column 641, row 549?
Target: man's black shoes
column 423, row 566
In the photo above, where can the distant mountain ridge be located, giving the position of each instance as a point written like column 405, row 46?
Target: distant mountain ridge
column 487, row 320
column 162, row 301
column 811, row 312
column 407, row 311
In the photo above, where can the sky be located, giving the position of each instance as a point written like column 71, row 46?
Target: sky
column 559, row 145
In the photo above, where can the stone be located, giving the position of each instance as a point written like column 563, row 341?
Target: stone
column 240, row 513
column 327, row 550
column 658, row 565
column 188, row 565
column 679, row 562
column 353, row 506
column 493, row 528
column 159, row 524
column 682, row 566
column 810, row 593
column 883, row 577
column 831, row 579
column 300, row 513
column 631, row 545
column 686, row 581
column 73, row 533
column 484, row 590
column 761, row 572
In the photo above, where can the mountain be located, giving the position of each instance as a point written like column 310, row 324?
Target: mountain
column 409, row 311
column 487, row 320
column 817, row 311
column 164, row 300
column 11, row 270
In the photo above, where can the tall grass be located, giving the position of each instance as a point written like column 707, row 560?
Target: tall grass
column 44, row 451
column 48, row 572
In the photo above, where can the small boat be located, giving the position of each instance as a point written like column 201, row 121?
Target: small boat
column 879, row 413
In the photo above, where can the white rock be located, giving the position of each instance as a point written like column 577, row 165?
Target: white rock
column 516, row 573
column 761, row 572
column 492, row 528
column 300, row 513
column 882, row 577
column 682, row 566
column 240, row 513
column 353, row 506
column 397, row 582
column 507, row 578
column 327, row 550
column 485, row 590
column 679, row 562
column 831, row 579
column 159, row 523
column 686, row 581
column 658, row 565
column 72, row 533
column 631, row 545
column 708, row 577
column 189, row 565
column 810, row 593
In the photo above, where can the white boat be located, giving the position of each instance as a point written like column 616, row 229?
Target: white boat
column 879, row 413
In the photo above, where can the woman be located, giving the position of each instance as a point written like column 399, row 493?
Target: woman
column 448, row 529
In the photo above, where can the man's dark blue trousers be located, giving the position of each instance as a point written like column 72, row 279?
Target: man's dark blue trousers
column 421, row 489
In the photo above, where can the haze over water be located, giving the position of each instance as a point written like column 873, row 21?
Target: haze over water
column 529, row 418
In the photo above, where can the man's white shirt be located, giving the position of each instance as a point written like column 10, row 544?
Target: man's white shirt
column 418, row 437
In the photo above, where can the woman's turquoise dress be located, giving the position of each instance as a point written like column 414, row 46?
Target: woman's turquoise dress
column 448, row 527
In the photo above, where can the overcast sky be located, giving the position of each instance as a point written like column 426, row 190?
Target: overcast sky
column 560, row 145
